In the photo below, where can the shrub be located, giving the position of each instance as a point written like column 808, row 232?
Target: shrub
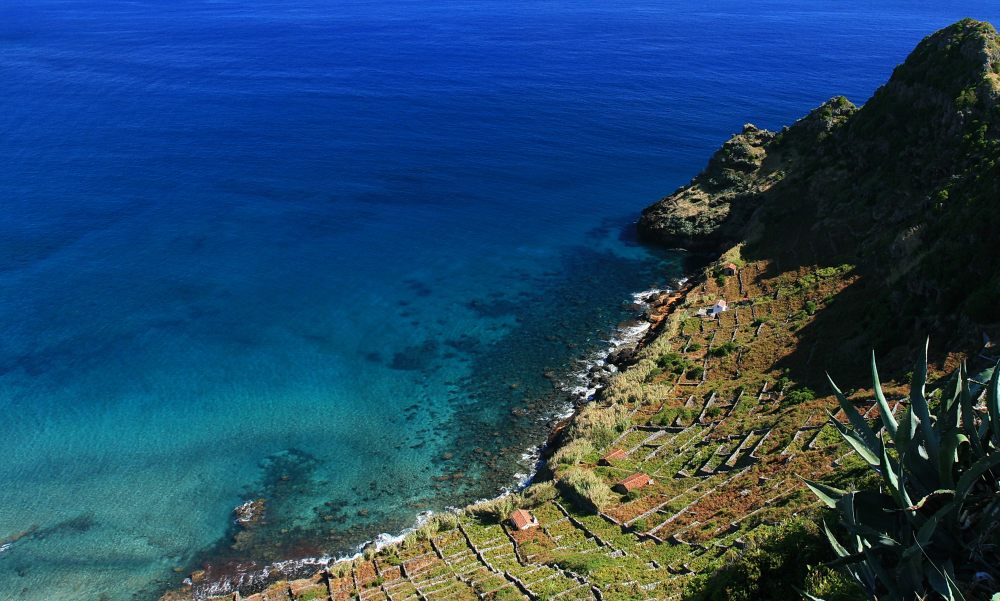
column 601, row 425
column 776, row 563
column 674, row 363
column 390, row 556
column 668, row 415
column 810, row 307
column 539, row 493
column 696, row 372
column 581, row 563
column 446, row 521
column 723, row 349
column 494, row 510
column 799, row 395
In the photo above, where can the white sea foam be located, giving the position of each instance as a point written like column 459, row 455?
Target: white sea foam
column 5, row 546
column 583, row 385
column 584, row 382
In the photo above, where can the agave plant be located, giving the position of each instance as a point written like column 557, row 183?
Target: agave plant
column 936, row 520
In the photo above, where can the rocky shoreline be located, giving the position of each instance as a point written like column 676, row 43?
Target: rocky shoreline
column 655, row 305
column 584, row 387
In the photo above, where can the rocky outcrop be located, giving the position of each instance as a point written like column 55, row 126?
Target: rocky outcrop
column 906, row 187
column 697, row 215
column 249, row 514
column 716, row 207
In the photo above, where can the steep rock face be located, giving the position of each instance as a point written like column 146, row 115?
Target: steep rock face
column 695, row 215
column 907, row 187
column 912, row 181
column 715, row 207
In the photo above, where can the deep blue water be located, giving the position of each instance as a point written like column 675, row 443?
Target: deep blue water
column 306, row 250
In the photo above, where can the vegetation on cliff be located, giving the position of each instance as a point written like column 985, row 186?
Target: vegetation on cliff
column 854, row 228
column 906, row 184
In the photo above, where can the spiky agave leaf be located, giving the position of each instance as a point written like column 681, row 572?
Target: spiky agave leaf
column 950, row 445
column 907, row 429
column 891, row 478
column 943, row 583
column 826, row 493
column 918, row 401
column 968, row 412
column 858, row 422
column 860, row 446
column 972, row 475
column 888, row 420
column 993, row 405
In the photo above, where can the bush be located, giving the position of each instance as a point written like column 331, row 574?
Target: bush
column 800, row 395
column 601, row 425
column 674, row 363
column 495, row 510
column 581, row 563
column 776, row 562
column 446, row 521
column 539, row 493
column 810, row 307
column 390, row 556
column 696, row 372
column 668, row 415
column 723, row 349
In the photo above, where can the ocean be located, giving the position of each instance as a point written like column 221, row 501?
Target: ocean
column 344, row 256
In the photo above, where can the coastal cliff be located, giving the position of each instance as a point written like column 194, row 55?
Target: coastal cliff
column 714, row 209
column 904, row 186
column 851, row 229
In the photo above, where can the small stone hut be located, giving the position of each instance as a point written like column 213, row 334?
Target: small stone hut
column 522, row 519
column 634, row 482
column 615, row 455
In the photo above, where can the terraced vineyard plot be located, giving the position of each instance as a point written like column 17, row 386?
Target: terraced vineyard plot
column 723, row 455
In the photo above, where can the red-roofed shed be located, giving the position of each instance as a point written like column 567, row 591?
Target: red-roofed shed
column 634, row 482
column 615, row 455
column 522, row 520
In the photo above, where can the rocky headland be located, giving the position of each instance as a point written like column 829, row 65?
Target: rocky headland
column 854, row 228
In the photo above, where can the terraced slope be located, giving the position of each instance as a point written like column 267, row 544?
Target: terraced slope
column 724, row 437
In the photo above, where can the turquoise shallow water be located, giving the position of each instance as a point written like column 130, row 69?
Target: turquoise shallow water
column 305, row 251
